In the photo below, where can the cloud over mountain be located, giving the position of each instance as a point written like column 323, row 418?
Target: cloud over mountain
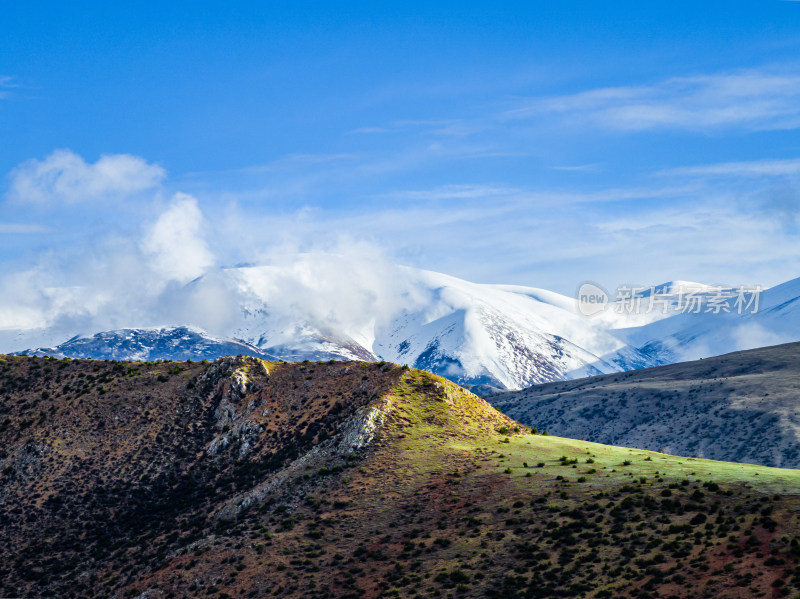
column 175, row 243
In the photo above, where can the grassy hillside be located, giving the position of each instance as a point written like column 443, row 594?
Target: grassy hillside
column 244, row 478
column 740, row 407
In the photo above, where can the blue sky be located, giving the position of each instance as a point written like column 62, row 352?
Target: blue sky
column 540, row 144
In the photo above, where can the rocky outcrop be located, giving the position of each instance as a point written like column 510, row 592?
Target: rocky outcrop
column 354, row 434
column 234, row 384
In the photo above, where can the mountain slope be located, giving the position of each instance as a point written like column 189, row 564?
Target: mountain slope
column 501, row 336
column 258, row 479
column 742, row 407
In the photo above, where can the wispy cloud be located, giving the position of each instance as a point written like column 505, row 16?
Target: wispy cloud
column 578, row 168
column 451, row 192
column 6, row 83
column 753, row 99
column 763, row 188
column 370, row 130
column 752, row 168
column 540, row 199
column 434, row 127
column 298, row 161
column 290, row 162
column 22, row 229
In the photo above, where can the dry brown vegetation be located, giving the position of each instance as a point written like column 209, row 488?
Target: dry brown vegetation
column 244, row 478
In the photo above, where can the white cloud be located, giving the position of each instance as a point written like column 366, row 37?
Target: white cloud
column 113, row 281
column 175, row 242
column 753, row 335
column 494, row 198
column 64, row 177
column 451, row 192
column 759, row 100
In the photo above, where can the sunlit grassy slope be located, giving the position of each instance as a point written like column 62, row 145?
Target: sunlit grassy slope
column 464, row 423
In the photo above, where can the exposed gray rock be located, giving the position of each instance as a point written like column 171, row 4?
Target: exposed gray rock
column 354, row 434
column 230, row 380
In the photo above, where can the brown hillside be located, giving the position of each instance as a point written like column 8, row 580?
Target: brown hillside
column 244, row 478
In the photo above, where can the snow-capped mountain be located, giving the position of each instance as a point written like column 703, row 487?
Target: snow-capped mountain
column 501, row 336
column 497, row 336
column 488, row 337
column 173, row 343
column 689, row 336
column 494, row 336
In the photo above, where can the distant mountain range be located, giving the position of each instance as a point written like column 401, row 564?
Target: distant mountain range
column 485, row 337
column 739, row 407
